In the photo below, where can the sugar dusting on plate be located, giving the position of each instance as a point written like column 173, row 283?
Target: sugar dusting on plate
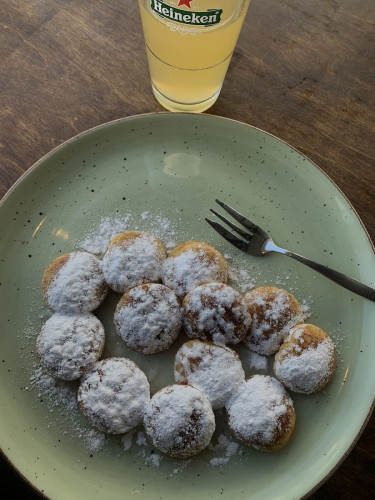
column 224, row 450
column 62, row 398
column 257, row 362
column 101, row 232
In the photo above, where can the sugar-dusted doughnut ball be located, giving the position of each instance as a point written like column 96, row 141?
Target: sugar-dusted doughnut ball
column 179, row 421
column 74, row 283
column 306, row 360
column 69, row 345
column 274, row 312
column 113, row 395
column 148, row 318
column 133, row 258
column 193, row 263
column 262, row 414
column 215, row 370
column 216, row 312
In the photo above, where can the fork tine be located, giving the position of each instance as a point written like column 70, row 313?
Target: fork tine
column 242, row 245
column 236, row 215
column 238, row 230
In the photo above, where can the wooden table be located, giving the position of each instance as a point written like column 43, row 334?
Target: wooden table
column 303, row 70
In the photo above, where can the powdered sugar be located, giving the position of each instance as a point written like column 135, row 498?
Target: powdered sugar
column 256, row 412
column 241, row 279
column 180, row 466
column 63, row 398
column 113, row 395
column 202, row 365
column 216, row 312
column 97, row 241
column 257, row 362
column 141, row 439
column 95, row 440
column 179, row 421
column 225, row 449
column 306, row 309
column 70, row 344
column 78, row 286
column 127, row 439
column 104, row 230
column 305, row 368
column 150, row 458
column 133, row 258
column 154, row 459
column 274, row 312
column 191, row 268
column 148, row 318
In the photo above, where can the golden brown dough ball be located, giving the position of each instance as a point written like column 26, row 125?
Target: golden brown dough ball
column 74, row 283
column 148, row 318
column 274, row 312
column 133, row 258
column 179, row 421
column 215, row 312
column 215, row 370
column 113, row 395
column 193, row 263
column 262, row 414
column 69, row 344
column 306, row 360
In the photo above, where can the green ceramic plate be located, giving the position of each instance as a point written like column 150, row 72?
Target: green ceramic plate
column 161, row 168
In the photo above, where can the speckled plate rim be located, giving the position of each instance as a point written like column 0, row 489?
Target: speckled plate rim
column 78, row 136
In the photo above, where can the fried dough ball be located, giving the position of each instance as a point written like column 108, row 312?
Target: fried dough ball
column 217, row 371
column 133, row 258
column 274, row 312
column 74, row 283
column 262, row 414
column 179, row 421
column 306, row 360
column 216, row 312
column 193, row 263
column 148, row 318
column 113, row 395
column 68, row 345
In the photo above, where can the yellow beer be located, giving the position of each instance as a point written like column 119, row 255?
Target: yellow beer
column 189, row 45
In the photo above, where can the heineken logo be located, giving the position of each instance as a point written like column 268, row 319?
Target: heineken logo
column 207, row 18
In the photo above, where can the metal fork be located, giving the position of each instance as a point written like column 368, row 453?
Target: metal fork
column 258, row 242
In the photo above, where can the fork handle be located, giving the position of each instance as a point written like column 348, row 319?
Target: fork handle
column 343, row 280
column 340, row 278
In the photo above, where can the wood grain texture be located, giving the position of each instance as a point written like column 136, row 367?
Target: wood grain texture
column 303, row 70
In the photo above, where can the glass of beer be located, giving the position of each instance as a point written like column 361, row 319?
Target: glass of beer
column 189, row 46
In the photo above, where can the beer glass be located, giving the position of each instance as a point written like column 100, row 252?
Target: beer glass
column 189, row 46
